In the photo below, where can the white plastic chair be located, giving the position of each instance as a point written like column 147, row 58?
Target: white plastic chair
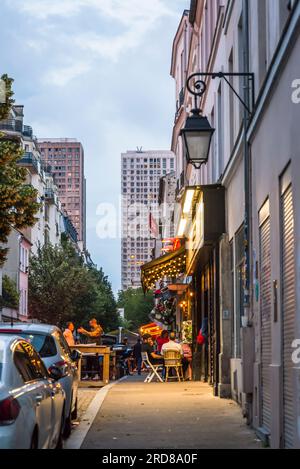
column 152, row 368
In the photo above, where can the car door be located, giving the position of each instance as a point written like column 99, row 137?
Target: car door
column 36, row 391
column 57, row 398
column 72, row 366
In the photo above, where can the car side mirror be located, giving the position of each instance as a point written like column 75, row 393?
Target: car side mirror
column 55, row 373
column 75, row 355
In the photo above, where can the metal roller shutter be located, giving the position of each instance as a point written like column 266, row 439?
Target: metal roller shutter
column 288, row 314
column 265, row 313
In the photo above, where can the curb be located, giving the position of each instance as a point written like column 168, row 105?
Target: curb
column 78, row 435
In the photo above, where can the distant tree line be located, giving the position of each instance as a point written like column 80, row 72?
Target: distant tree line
column 62, row 288
column 137, row 306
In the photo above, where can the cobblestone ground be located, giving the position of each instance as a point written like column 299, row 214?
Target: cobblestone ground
column 85, row 397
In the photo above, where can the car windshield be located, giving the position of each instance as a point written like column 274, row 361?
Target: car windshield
column 1, row 357
column 43, row 344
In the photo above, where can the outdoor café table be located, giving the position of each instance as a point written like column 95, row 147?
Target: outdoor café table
column 97, row 351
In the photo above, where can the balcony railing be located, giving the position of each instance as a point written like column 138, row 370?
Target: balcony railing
column 50, row 195
column 27, row 131
column 70, row 230
column 181, row 98
column 13, row 125
column 30, row 161
column 180, row 183
column 179, row 103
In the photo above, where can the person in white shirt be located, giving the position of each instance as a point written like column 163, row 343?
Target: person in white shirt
column 68, row 334
column 172, row 344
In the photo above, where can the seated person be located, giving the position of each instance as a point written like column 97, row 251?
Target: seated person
column 163, row 339
column 187, row 361
column 172, row 344
column 147, row 346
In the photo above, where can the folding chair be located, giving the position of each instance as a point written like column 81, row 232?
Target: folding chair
column 153, row 369
column 173, row 359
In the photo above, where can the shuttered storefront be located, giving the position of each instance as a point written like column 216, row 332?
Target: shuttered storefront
column 265, row 314
column 288, row 313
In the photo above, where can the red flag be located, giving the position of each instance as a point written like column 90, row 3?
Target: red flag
column 154, row 230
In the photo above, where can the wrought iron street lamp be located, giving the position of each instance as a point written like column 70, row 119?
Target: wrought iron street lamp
column 197, row 132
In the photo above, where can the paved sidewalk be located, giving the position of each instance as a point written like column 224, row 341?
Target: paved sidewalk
column 136, row 415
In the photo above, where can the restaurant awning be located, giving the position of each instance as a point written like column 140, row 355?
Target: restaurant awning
column 170, row 265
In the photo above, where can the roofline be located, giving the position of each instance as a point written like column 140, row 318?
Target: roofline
column 184, row 15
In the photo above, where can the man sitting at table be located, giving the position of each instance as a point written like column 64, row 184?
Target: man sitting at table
column 172, row 344
column 147, row 346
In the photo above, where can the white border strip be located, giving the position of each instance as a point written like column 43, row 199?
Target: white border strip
column 78, row 435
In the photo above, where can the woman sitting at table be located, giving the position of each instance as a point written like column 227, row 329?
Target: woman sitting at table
column 187, row 361
column 163, row 339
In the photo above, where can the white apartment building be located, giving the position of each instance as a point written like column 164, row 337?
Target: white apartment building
column 140, row 178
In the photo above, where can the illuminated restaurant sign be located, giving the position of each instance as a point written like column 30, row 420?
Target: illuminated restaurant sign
column 170, row 245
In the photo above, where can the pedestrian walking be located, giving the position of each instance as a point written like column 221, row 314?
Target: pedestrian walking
column 137, row 353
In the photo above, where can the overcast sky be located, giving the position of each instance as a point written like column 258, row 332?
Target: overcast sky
column 96, row 70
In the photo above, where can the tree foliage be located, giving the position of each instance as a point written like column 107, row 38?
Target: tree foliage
column 62, row 288
column 18, row 201
column 137, row 306
column 10, row 295
column 5, row 107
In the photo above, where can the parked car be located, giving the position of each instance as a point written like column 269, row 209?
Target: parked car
column 32, row 401
column 51, row 345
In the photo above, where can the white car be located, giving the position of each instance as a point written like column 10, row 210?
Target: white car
column 52, row 347
column 32, row 402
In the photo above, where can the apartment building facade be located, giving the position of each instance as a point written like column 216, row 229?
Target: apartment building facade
column 140, row 175
column 51, row 220
column 244, row 280
column 64, row 159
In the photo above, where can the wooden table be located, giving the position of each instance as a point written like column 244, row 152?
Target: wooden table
column 98, row 351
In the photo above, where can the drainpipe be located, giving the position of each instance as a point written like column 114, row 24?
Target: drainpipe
column 247, row 322
column 1, row 276
column 247, row 165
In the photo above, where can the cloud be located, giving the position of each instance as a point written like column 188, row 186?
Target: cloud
column 133, row 19
column 62, row 76
column 125, row 11
column 42, row 9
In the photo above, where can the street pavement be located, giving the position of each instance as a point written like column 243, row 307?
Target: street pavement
column 136, row 415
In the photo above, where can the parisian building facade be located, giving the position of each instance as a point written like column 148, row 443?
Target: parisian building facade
column 242, row 224
column 140, row 175
column 52, row 220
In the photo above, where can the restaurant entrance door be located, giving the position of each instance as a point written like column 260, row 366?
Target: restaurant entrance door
column 206, row 317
